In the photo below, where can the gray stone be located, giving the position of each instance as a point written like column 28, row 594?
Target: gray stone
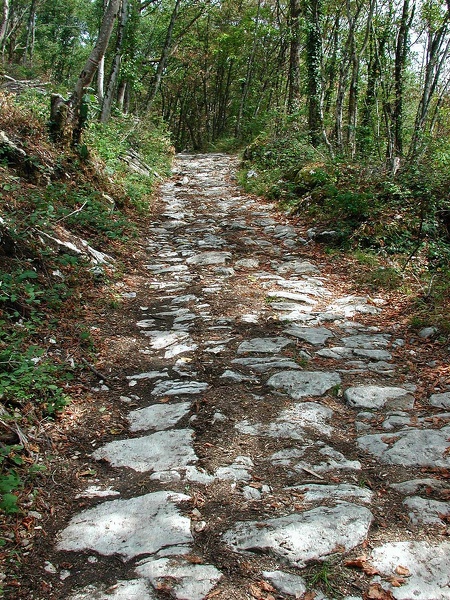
column 293, row 296
column 428, row 564
column 343, row 491
column 313, row 335
column 235, row 377
column 134, row 589
column 414, row 447
column 373, row 354
column 158, row 416
column 160, row 451
column 299, row 384
column 266, row 363
column 350, row 305
column 251, row 493
column 269, row 345
column 336, row 353
column 426, row 510
column 310, row 415
column 148, row 375
column 334, row 461
column 369, row 342
column 237, row 471
column 247, row 263
column 286, row 583
column 415, row 485
column 163, row 339
column 427, row 332
column 130, row 527
column 440, row 400
column 301, row 537
column 299, row 267
column 179, row 388
column 375, row 396
column 184, row 579
column 209, row 258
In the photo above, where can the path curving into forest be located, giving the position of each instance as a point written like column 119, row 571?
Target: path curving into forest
column 271, row 450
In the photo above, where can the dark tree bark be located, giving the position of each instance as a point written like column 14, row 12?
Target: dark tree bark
column 294, row 56
column 71, row 119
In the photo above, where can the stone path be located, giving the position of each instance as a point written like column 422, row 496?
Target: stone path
column 270, row 440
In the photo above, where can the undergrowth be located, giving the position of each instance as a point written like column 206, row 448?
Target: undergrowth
column 402, row 222
column 48, row 194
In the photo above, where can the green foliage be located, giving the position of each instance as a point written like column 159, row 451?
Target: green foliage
column 27, row 376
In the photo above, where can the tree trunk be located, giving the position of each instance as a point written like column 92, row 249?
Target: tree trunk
column 29, row 43
column 294, row 56
column 164, row 57
column 4, row 26
column 401, row 52
column 115, row 67
column 73, row 117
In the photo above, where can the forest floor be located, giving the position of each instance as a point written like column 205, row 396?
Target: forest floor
column 261, row 430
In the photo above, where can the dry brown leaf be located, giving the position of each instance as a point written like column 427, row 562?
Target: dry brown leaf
column 266, row 586
column 404, row 571
column 376, row 592
column 361, row 563
column 255, row 590
column 396, row 581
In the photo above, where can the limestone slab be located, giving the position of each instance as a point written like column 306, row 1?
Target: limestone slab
column 160, row 451
column 179, row 387
column 313, row 335
column 309, row 415
column 209, row 258
column 266, row 363
column 344, row 491
column 286, row 583
column 376, row 396
column 134, row 589
column 269, row 345
column 427, row 510
column 428, row 564
column 414, row 447
column 367, row 341
column 130, row 528
column 300, row 537
column 158, row 416
column 299, row 384
column 181, row 578
column 440, row 400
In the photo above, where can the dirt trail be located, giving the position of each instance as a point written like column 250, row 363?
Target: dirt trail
column 269, row 439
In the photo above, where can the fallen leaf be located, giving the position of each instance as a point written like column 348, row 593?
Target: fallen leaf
column 396, row 581
column 376, row 592
column 404, row 571
column 361, row 563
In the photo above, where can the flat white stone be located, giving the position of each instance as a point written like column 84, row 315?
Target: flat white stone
column 134, row 589
column 310, row 415
column 95, row 491
column 372, row 354
column 179, row 349
column 158, row 416
column 367, row 341
column 414, row 447
column 415, row 485
column 293, row 296
column 163, row 339
column 209, row 258
column 426, row 510
column 146, row 323
column 299, row 384
column 179, row 387
column 237, row 471
column 313, row 335
column 286, row 583
column 235, row 377
column 248, row 263
column 148, row 375
column 301, row 537
column 334, row 460
column 343, row 491
column 184, row 579
column 375, row 396
column 270, row 345
column 336, row 352
column 429, row 565
column 160, row 451
column 266, row 363
column 131, row 527
column 297, row 266
column 440, row 400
